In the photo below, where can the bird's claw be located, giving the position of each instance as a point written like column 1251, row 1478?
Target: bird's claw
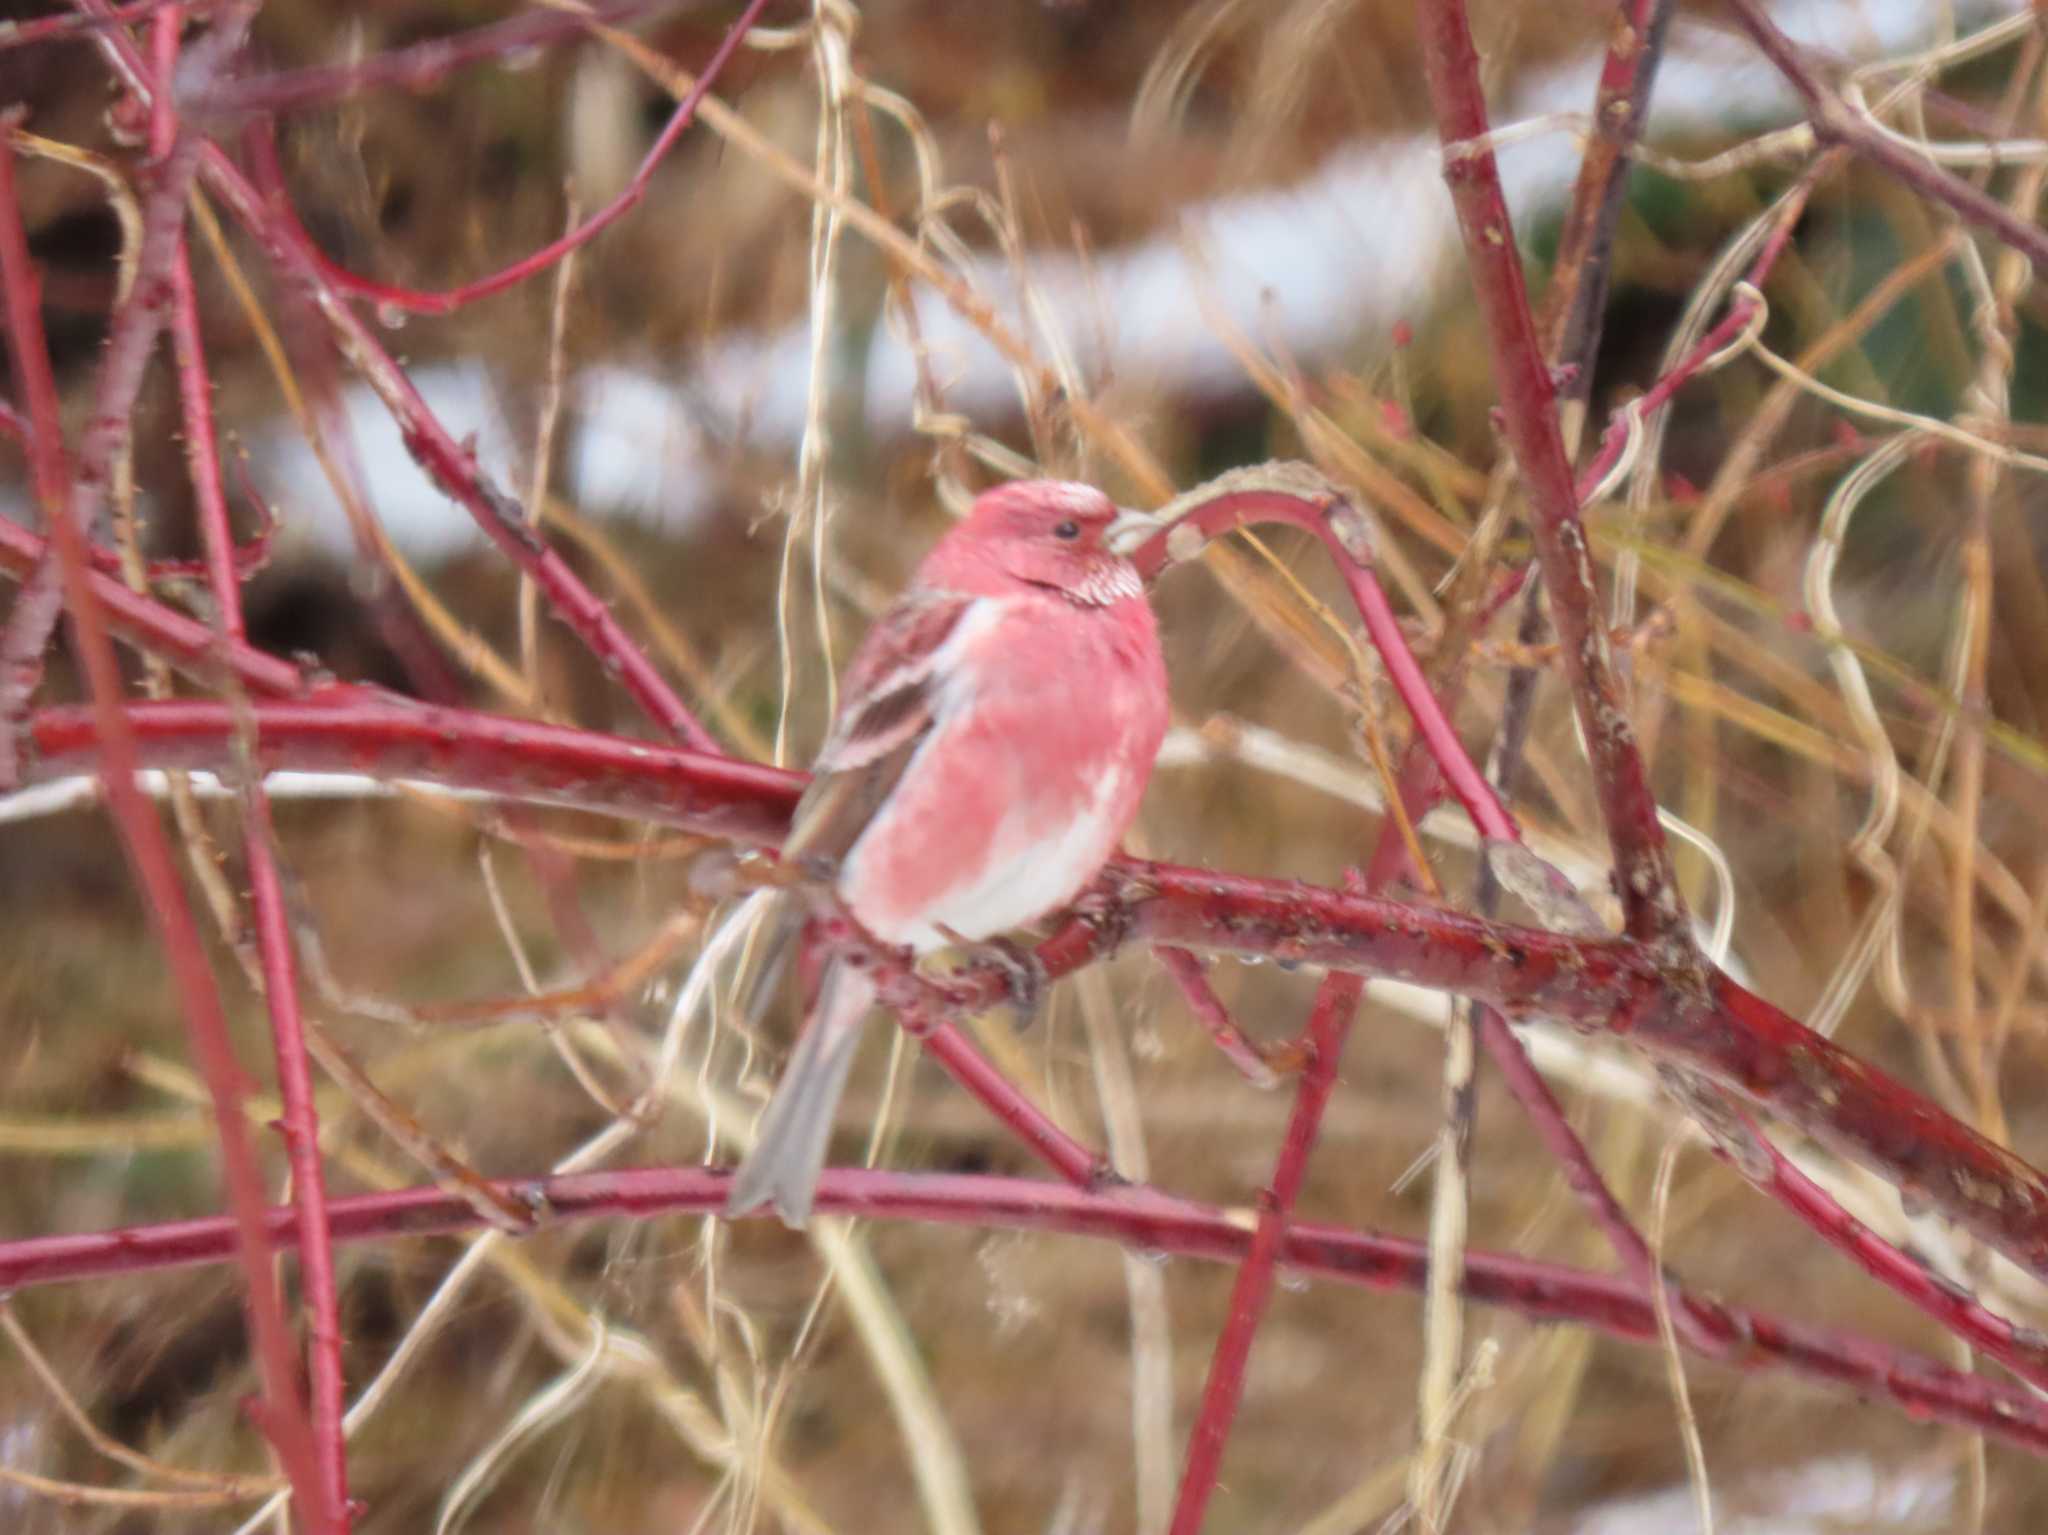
column 1023, row 973
column 1107, row 907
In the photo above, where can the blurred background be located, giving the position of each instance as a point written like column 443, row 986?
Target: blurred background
column 1220, row 226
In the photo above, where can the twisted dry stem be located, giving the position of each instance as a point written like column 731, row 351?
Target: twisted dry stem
column 1834, row 122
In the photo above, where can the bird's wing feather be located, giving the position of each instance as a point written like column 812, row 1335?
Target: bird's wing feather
column 889, row 699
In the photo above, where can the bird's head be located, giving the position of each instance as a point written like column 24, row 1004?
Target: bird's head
column 1057, row 534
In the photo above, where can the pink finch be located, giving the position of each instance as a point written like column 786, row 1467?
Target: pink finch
column 998, row 725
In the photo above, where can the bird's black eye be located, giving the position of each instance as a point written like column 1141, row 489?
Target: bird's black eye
column 1067, row 530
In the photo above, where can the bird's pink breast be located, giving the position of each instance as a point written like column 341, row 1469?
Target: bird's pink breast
column 1046, row 737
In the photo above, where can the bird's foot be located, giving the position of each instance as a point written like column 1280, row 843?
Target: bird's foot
column 1023, row 973
column 1107, row 907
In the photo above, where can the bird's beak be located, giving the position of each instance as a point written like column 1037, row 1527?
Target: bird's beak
column 1129, row 530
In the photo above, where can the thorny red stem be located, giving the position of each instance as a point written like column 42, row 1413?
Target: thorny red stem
column 300, row 1127
column 1614, row 441
column 178, row 638
column 245, row 559
column 1186, row 971
column 1138, row 1218
column 412, row 301
column 281, row 1415
column 2022, row 1351
column 1528, row 402
column 1328, row 1026
column 222, row 559
column 131, row 338
column 300, row 1120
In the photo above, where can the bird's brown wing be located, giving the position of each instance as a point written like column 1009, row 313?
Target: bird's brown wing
column 887, row 704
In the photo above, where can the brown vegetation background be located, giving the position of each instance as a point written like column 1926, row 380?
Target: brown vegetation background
column 714, row 1377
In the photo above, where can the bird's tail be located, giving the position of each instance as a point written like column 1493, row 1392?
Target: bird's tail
column 789, row 1153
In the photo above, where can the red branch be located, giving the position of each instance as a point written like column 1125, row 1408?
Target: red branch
column 222, row 564
column 244, row 559
column 299, row 1122
column 1228, row 508
column 1328, row 1026
column 413, row 301
column 452, row 466
column 416, row 66
column 280, row 1414
column 1528, row 396
column 43, row 29
column 163, row 631
column 1439, row 760
column 131, row 339
column 1732, row 1037
column 1137, row 1218
column 914, row 1003
column 1698, row 1325
column 1187, row 972
column 2020, row 1350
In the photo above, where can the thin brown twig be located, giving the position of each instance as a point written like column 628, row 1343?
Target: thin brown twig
column 1835, row 123
column 224, row 1483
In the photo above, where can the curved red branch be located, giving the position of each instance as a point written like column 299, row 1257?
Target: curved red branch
column 1137, row 1218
